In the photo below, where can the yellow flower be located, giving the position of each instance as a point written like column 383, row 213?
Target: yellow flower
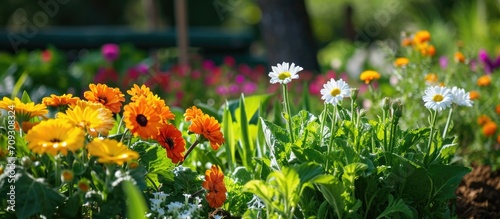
column 60, row 101
column 431, row 78
column 401, row 62
column 110, row 151
column 92, row 117
column 422, row 37
column 111, row 98
column 369, row 75
column 484, row 81
column 24, row 111
column 137, row 92
column 459, row 57
column 55, row 136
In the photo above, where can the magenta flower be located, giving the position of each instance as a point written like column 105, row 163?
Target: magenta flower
column 443, row 62
column 489, row 63
column 229, row 61
column 249, row 88
column 110, row 52
column 240, row 79
column 142, row 68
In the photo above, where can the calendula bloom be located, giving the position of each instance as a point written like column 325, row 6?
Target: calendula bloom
column 431, row 78
column 369, row 75
column 214, row 184
column 483, row 119
column 83, row 185
column 334, row 91
column 437, row 98
column 161, row 108
column 209, row 129
column 431, row 51
column 474, row 95
column 460, row 97
column 284, row 73
column 60, row 101
column 421, row 37
column 67, row 176
column 192, row 113
column 111, row 98
column 401, row 62
column 497, row 109
column 490, row 128
column 92, row 117
column 406, row 42
column 137, row 92
column 55, row 136
column 171, row 139
column 28, row 126
column 142, row 119
column 484, row 81
column 23, row 111
column 459, row 57
column 110, row 151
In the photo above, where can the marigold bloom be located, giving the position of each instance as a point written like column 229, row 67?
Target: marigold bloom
column 497, row 109
column 92, row 117
column 192, row 113
column 484, row 81
column 437, row 98
column 171, row 139
column 161, row 108
column 431, row 78
column 23, row 111
column 60, row 101
column 401, row 62
column 137, row 92
column 214, row 184
column 67, row 176
column 209, row 129
column 459, row 57
column 474, row 95
column 369, row 75
column 111, row 98
column 421, row 37
column 55, row 136
column 483, row 119
column 406, row 42
column 431, row 51
column 142, row 119
column 110, row 151
column 284, row 73
column 490, row 128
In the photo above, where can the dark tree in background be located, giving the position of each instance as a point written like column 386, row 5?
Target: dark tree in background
column 287, row 33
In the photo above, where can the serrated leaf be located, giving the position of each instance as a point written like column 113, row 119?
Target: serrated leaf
column 35, row 197
column 398, row 206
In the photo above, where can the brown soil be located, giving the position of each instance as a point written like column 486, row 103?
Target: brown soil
column 478, row 195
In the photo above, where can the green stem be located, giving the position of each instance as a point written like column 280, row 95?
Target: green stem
column 288, row 112
column 189, row 151
column 323, row 120
column 445, row 131
column 431, row 134
column 332, row 129
column 385, row 129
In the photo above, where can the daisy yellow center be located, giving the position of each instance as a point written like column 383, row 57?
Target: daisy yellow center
column 335, row 92
column 284, row 75
column 438, row 98
column 142, row 120
column 170, row 142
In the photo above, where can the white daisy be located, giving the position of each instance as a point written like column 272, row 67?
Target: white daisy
column 460, row 97
column 334, row 91
column 284, row 73
column 437, row 98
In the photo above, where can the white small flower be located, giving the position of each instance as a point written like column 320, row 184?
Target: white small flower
column 284, row 73
column 460, row 97
column 334, row 91
column 437, row 98
column 217, row 217
column 160, row 195
column 174, row 206
column 155, row 203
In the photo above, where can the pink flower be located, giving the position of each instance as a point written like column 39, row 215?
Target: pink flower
column 240, row 79
column 142, row 68
column 229, row 61
column 110, row 52
column 249, row 88
column 105, row 75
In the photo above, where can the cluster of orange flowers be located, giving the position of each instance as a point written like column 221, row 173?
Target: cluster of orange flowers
column 488, row 126
column 214, row 184
column 421, row 43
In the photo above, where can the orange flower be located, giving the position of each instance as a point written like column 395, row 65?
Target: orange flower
column 498, row 139
column 28, row 126
column 60, row 101
column 161, row 108
column 171, row 139
column 422, row 37
column 369, row 75
column 484, row 81
column 497, row 109
column 209, row 129
column 111, row 98
column 192, row 113
column 483, row 119
column 142, row 119
column 431, row 50
column 214, row 184
column 406, row 42
column 431, row 78
column 459, row 57
column 490, row 128
column 401, row 62
column 137, row 92
column 474, row 95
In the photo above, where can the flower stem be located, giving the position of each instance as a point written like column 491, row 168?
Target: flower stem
column 445, row 131
column 323, row 120
column 189, row 150
column 332, row 129
column 431, row 134
column 288, row 112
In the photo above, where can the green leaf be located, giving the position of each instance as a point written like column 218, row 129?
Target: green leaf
column 210, row 111
column 26, row 97
column 277, row 140
column 308, row 171
column 394, row 207
column 33, row 196
column 241, row 175
column 154, row 158
column 351, row 171
column 72, row 206
column 445, row 180
column 261, row 190
column 227, row 130
column 136, row 205
column 333, row 194
column 245, row 143
column 417, row 185
column 412, row 137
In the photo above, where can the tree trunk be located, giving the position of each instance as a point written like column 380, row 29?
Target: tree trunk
column 287, row 33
